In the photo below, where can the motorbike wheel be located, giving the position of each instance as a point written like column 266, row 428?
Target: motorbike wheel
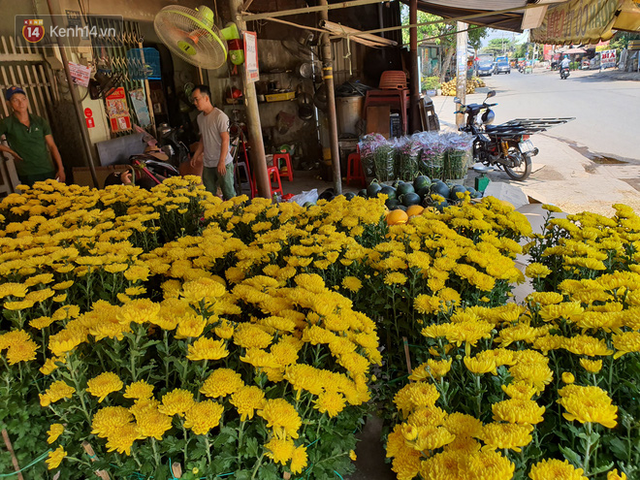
column 523, row 162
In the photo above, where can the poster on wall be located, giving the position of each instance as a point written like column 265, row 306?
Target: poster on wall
column 118, row 111
column 139, row 102
column 251, row 56
column 80, row 74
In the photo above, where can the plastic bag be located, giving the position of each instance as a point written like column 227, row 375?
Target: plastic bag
column 306, row 196
column 457, row 156
column 377, row 155
column 407, row 153
column 431, row 161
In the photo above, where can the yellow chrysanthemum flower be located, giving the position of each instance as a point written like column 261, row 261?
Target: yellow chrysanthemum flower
column 282, row 417
column 139, row 389
column 55, row 458
column 506, row 436
column 591, row 366
column 176, row 402
column 55, row 430
column 108, row 419
column 588, row 404
column 203, row 416
column 519, row 411
column 57, row 391
column 103, row 385
column 207, row 349
column 554, row 469
column 247, row 400
column 280, row 450
column 222, row 382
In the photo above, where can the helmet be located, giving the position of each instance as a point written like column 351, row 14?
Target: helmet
column 488, row 117
column 566, row 56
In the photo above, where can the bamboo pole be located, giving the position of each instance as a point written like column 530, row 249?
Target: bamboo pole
column 14, row 459
column 348, row 32
column 414, row 86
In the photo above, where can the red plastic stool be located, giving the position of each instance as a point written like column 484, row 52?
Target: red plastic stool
column 355, row 170
column 287, row 158
column 274, row 176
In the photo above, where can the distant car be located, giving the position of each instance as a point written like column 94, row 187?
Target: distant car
column 485, row 68
column 502, row 66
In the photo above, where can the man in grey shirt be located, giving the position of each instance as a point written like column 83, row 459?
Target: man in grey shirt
column 213, row 147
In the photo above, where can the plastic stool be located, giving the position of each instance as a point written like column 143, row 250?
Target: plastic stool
column 274, row 176
column 355, row 170
column 287, row 158
column 245, row 168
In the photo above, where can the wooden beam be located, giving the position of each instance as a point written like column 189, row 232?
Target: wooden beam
column 248, row 17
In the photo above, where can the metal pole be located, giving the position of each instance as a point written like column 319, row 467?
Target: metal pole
column 461, row 68
column 327, row 76
column 86, row 142
column 147, row 92
column 415, row 76
column 258, row 158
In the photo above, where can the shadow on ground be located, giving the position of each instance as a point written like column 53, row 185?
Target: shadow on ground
column 371, row 454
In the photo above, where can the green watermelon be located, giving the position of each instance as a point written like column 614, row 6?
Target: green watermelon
column 405, row 188
column 401, row 207
column 388, row 191
column 392, row 203
column 424, row 191
column 373, row 189
column 421, row 181
column 441, row 205
column 363, row 193
column 440, row 188
column 409, row 199
column 455, row 190
column 349, row 195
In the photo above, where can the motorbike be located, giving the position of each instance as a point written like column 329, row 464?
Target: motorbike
column 564, row 73
column 506, row 146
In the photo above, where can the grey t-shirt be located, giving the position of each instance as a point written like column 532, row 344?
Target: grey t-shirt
column 211, row 126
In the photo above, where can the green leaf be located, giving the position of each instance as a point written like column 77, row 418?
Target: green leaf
column 617, row 447
column 572, row 456
column 251, row 447
column 244, row 475
column 601, row 468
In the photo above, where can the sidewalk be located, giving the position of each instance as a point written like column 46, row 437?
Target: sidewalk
column 561, row 175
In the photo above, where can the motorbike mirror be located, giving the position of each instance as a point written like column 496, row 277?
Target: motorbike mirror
column 456, row 100
column 491, row 93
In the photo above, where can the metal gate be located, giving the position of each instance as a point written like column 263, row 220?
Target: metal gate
column 25, row 67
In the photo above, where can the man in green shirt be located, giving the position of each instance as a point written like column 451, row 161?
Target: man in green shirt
column 30, row 141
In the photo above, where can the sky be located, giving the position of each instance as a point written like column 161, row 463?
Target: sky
column 493, row 33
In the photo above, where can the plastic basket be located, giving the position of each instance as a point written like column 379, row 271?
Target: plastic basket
column 393, row 80
column 144, row 64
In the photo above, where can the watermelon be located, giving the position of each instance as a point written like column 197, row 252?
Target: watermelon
column 421, row 181
column 388, row 191
column 424, row 191
column 455, row 190
column 373, row 189
column 401, row 207
column 405, row 188
column 363, row 193
column 349, row 195
column 440, row 188
column 392, row 203
column 441, row 205
column 409, row 199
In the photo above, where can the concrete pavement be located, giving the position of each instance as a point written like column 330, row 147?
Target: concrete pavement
column 561, row 174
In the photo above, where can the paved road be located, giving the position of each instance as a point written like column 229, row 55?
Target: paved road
column 607, row 111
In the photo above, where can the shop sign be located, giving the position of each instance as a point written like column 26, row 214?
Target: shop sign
column 608, row 59
column 577, row 22
column 251, row 56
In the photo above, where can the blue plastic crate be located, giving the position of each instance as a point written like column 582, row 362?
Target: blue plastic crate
column 144, row 64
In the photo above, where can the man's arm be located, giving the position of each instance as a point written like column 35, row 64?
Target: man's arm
column 198, row 153
column 6, row 149
column 55, row 154
column 224, row 149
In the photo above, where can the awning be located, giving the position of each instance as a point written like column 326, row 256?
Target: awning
column 586, row 21
column 513, row 15
column 574, row 51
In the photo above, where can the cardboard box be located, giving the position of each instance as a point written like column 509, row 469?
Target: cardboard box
column 280, row 97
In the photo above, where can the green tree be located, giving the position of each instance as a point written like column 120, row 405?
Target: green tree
column 442, row 33
column 499, row 46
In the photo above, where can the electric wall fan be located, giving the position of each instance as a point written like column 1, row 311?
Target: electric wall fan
column 193, row 36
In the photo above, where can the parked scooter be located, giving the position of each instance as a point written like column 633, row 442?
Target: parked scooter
column 509, row 149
